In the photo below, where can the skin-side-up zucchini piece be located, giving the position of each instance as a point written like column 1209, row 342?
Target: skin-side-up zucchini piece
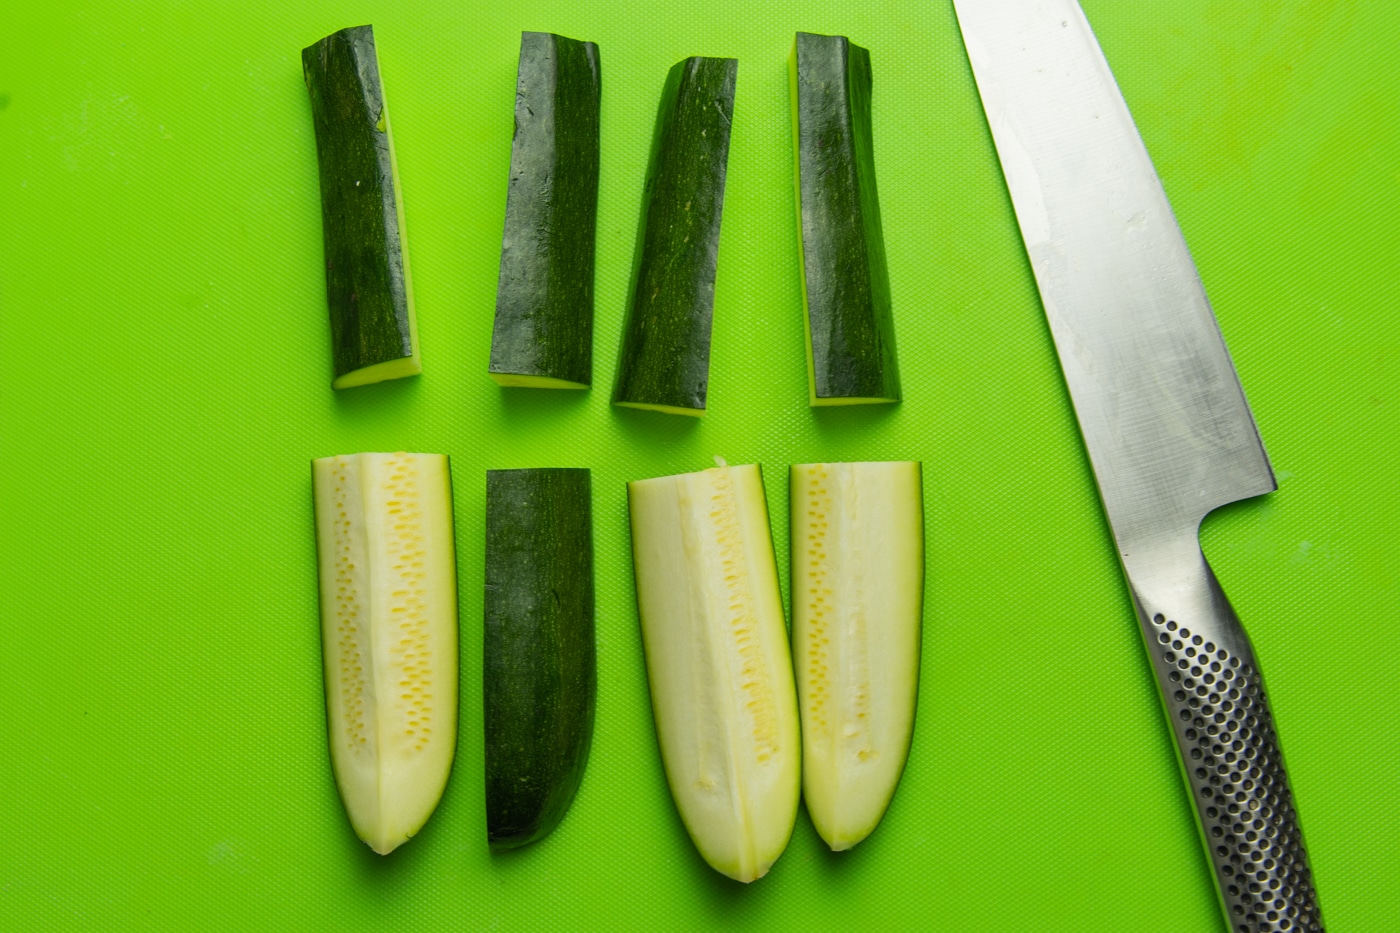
column 369, row 290
column 540, row 679
column 543, row 334
column 857, row 614
column 845, row 279
column 388, row 585
column 718, row 662
column 664, row 364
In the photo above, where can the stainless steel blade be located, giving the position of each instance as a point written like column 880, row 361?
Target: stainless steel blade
column 1165, row 421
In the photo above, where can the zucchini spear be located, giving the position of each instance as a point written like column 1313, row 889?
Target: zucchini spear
column 543, row 333
column 540, row 681
column 845, row 280
column 368, row 286
column 718, row 663
column 857, row 613
column 664, row 364
column 388, row 581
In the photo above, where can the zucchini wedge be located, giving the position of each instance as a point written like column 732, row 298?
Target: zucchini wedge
column 845, row 279
column 664, row 364
column 540, row 681
column 718, row 663
column 543, row 333
column 388, row 572
column 857, row 613
column 369, row 290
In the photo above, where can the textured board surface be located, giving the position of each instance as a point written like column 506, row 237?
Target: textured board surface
column 164, row 369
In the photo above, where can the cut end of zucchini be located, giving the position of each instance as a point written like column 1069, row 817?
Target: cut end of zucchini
column 858, row 581
column 380, row 372
column 388, row 587
column 818, row 401
column 518, row 380
column 665, row 409
column 845, row 280
column 718, row 662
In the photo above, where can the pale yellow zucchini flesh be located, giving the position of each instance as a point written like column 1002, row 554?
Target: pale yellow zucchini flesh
column 857, row 610
column 718, row 662
column 515, row 380
column 388, row 582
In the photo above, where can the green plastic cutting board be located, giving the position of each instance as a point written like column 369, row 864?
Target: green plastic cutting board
column 165, row 380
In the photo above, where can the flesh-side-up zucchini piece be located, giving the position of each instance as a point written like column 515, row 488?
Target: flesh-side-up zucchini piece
column 540, row 679
column 388, row 582
column 664, row 364
column 543, row 333
column 845, row 280
column 718, row 663
column 368, row 286
column 857, row 613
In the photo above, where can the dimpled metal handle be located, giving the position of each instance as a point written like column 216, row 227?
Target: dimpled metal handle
column 1214, row 696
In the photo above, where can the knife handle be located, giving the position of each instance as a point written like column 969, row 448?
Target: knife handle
column 1214, row 697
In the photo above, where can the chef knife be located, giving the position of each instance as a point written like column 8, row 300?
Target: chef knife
column 1166, row 424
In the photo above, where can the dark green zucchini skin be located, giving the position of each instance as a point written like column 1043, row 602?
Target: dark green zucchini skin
column 850, row 324
column 367, row 284
column 665, row 358
column 544, row 297
column 540, row 678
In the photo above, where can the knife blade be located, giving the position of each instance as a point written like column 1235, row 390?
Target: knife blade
column 1169, row 433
